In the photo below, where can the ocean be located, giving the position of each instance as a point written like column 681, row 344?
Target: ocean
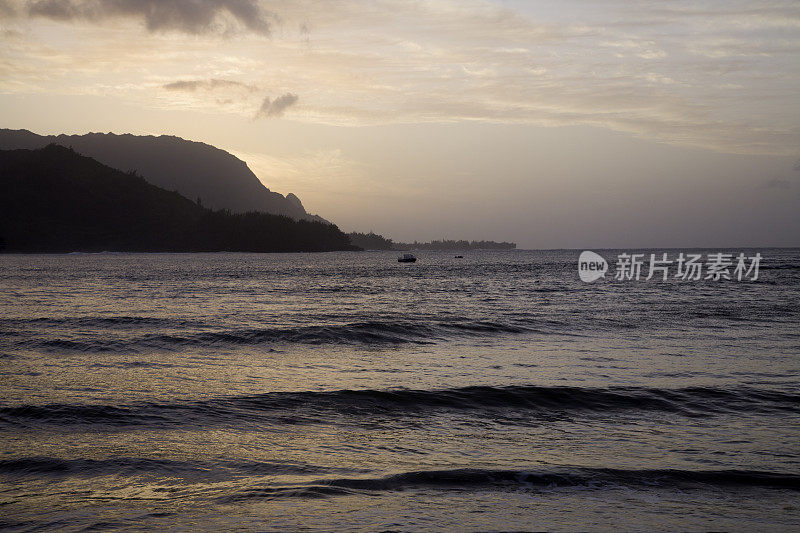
column 350, row 392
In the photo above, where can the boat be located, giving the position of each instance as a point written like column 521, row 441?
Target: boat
column 407, row 258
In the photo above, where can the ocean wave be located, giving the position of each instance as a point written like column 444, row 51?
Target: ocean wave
column 505, row 405
column 100, row 321
column 41, row 466
column 52, row 466
column 138, row 334
column 355, row 333
column 548, row 478
column 555, row 478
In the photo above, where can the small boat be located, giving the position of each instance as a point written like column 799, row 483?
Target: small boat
column 459, row 257
column 406, row 258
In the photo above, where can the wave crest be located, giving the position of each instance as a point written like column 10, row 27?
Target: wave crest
column 507, row 405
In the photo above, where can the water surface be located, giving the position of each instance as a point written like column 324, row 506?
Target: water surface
column 346, row 391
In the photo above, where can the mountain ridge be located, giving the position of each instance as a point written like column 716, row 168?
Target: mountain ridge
column 57, row 200
column 195, row 169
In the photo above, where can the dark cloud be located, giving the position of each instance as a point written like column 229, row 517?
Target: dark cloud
column 183, row 85
column 189, row 16
column 275, row 108
column 193, row 85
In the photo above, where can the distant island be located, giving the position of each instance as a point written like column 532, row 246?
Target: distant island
column 56, row 200
column 373, row 241
column 455, row 245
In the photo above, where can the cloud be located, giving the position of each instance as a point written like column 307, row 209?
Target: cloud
column 188, row 16
column 7, row 9
column 193, row 85
column 275, row 108
column 716, row 75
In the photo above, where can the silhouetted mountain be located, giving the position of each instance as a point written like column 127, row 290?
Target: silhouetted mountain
column 56, row 200
column 195, row 170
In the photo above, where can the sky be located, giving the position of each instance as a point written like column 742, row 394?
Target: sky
column 553, row 124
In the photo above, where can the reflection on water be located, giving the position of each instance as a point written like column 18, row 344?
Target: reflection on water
column 347, row 391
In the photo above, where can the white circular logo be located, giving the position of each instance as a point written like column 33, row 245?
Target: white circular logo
column 591, row 266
